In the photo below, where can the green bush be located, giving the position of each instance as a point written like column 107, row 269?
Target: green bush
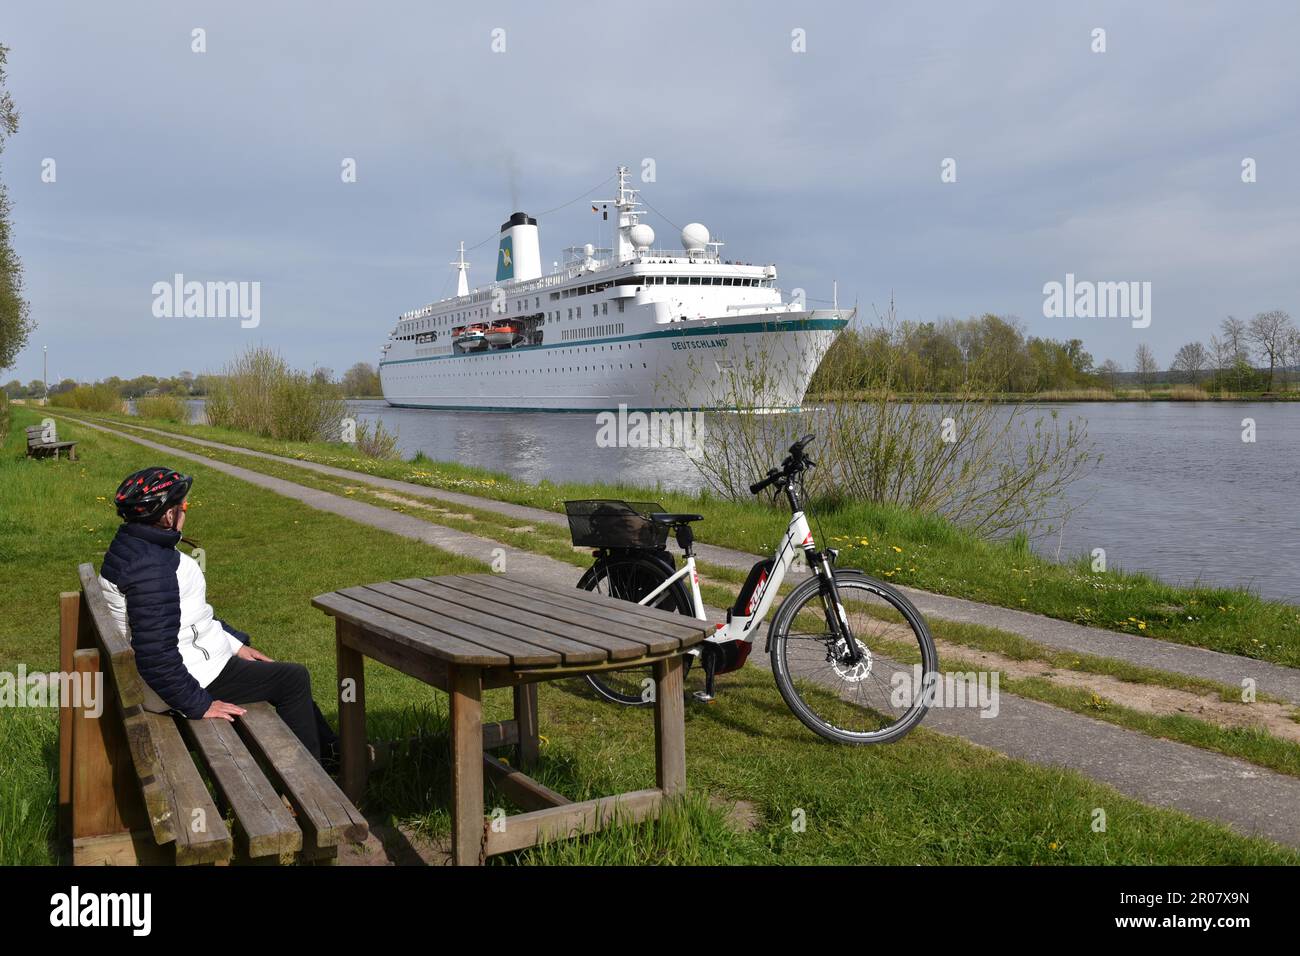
column 259, row 393
column 89, row 398
column 375, row 441
column 163, row 407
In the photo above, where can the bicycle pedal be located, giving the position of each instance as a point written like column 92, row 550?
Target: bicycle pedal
column 703, row 697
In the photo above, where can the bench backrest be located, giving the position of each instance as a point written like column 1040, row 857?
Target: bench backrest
column 151, row 738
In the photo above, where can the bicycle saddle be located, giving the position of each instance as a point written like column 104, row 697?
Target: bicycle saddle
column 671, row 519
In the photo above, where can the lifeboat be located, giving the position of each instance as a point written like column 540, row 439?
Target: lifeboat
column 501, row 334
column 469, row 337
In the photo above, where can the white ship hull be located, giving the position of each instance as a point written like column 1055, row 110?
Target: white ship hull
column 759, row 360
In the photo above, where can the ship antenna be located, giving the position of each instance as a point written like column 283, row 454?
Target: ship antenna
column 462, row 280
column 628, row 216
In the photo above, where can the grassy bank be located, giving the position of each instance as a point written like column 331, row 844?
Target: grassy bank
column 929, row 799
column 1237, row 730
column 899, row 546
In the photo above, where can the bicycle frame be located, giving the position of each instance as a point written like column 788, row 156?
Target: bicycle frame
column 743, row 627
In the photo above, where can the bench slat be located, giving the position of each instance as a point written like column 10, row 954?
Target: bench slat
column 525, row 645
column 200, row 837
column 598, row 604
column 399, row 629
column 649, row 634
column 132, row 691
column 327, row 817
column 264, row 824
column 574, row 625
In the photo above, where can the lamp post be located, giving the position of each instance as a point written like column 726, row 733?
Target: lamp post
column 45, row 374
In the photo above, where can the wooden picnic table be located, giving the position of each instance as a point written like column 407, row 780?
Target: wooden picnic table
column 468, row 633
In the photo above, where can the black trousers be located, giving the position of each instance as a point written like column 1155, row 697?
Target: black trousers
column 286, row 687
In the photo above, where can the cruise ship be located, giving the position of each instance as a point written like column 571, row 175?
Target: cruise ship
column 627, row 326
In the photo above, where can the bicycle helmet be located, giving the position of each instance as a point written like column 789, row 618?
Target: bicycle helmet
column 146, row 494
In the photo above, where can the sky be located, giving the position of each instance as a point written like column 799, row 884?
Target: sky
column 1124, row 165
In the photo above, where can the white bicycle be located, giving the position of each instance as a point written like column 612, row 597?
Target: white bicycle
column 851, row 656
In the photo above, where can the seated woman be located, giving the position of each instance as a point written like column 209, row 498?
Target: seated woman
column 199, row 665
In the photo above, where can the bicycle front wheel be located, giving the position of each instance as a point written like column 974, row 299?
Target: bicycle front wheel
column 631, row 578
column 879, row 698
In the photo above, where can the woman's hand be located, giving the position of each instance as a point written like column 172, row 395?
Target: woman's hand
column 250, row 653
column 220, row 710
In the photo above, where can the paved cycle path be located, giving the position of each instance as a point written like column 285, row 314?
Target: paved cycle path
column 1245, row 797
column 1230, row 669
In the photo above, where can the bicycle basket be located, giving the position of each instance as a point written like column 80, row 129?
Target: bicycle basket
column 606, row 523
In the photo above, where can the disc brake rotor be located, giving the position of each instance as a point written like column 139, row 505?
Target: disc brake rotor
column 850, row 673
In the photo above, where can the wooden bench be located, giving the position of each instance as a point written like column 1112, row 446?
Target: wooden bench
column 40, row 445
column 141, row 785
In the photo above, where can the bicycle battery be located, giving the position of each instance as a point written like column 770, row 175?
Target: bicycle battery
column 758, row 575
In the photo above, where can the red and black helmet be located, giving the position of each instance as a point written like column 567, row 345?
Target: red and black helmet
column 146, row 494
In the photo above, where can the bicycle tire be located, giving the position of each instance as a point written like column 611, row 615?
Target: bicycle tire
column 779, row 636
column 630, row 577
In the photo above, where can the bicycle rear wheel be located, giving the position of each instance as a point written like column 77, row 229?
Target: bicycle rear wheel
column 630, row 578
column 882, row 696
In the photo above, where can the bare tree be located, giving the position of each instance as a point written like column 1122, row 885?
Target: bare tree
column 1220, row 354
column 1234, row 337
column 1144, row 363
column 1293, row 351
column 1110, row 369
column 1191, row 358
column 1270, row 333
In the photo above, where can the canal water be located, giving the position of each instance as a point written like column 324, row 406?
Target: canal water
column 1177, row 493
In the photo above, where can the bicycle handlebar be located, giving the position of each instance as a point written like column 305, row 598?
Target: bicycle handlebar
column 758, row 486
column 795, row 463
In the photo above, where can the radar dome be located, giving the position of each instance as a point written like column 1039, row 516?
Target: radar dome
column 643, row 237
column 695, row 236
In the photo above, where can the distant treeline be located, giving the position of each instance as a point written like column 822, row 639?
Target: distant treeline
column 993, row 354
column 360, row 381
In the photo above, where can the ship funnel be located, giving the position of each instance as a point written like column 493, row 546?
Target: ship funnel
column 519, row 255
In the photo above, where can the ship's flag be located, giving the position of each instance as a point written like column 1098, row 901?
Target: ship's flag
column 604, row 213
column 594, row 209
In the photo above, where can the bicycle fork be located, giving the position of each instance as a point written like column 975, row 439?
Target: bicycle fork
column 837, row 619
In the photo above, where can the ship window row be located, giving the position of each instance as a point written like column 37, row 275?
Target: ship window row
column 594, row 331
column 747, row 282
column 705, row 280
column 611, row 367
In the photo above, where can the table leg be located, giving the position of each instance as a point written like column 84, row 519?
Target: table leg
column 353, row 758
column 464, row 686
column 670, row 726
column 526, row 721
